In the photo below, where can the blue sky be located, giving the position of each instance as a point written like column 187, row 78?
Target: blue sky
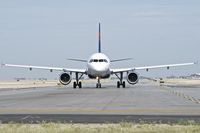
column 41, row 32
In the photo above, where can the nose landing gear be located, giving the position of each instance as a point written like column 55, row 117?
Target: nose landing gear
column 98, row 85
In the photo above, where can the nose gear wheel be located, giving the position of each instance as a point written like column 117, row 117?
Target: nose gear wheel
column 98, row 85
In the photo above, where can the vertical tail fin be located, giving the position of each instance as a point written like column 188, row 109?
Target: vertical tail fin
column 99, row 49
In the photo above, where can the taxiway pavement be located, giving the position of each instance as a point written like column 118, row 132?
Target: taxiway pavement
column 142, row 99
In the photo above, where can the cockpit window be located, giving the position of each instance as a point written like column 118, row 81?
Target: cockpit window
column 98, row 60
column 95, row 60
column 101, row 60
column 105, row 60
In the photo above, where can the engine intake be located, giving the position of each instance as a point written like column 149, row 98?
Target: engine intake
column 65, row 78
column 132, row 78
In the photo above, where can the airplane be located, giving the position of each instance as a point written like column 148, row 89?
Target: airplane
column 98, row 67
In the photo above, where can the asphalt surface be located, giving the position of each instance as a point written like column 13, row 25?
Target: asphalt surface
column 77, row 118
column 144, row 101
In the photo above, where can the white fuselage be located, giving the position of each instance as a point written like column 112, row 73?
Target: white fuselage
column 98, row 66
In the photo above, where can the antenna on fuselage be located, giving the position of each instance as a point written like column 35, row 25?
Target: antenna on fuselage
column 99, row 36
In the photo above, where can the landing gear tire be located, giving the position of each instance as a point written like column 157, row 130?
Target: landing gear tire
column 74, row 85
column 79, row 84
column 118, row 84
column 98, row 85
column 123, row 84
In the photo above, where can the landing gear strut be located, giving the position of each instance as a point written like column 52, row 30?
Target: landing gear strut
column 98, row 85
column 120, row 82
column 77, row 82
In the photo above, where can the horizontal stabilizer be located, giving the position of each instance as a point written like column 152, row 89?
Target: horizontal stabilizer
column 79, row 60
column 121, row 59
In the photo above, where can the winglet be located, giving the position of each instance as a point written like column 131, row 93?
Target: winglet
column 99, row 37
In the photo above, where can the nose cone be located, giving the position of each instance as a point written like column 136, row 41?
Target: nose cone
column 101, row 68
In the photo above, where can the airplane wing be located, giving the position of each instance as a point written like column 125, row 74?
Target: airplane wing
column 46, row 68
column 150, row 67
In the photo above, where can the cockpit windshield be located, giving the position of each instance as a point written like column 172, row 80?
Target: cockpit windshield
column 95, row 60
column 98, row 60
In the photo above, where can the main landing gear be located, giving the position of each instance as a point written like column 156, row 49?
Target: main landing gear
column 98, row 85
column 77, row 82
column 120, row 82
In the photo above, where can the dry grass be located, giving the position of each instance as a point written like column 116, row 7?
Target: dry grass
column 99, row 128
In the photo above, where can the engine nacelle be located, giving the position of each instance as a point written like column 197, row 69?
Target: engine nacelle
column 132, row 78
column 65, row 78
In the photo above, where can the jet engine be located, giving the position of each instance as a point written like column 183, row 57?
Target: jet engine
column 65, row 78
column 132, row 78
